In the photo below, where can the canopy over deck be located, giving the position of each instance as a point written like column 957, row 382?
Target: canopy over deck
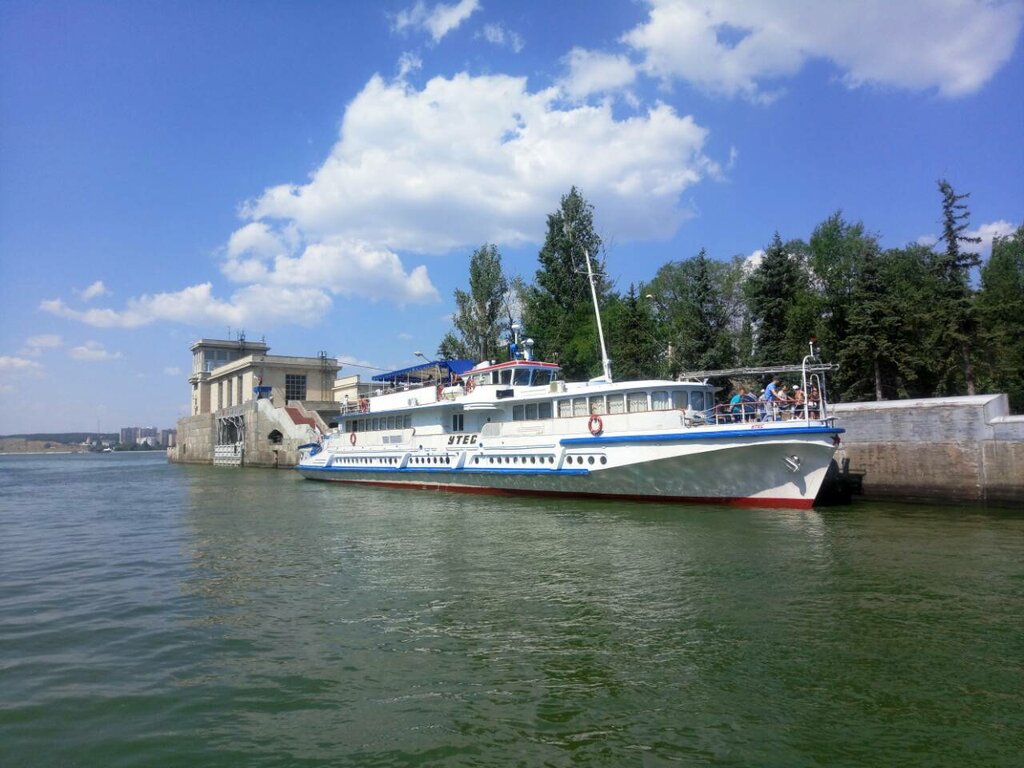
column 438, row 370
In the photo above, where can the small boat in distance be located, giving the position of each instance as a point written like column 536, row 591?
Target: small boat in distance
column 516, row 427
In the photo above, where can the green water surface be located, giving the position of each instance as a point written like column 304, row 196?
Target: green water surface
column 162, row 615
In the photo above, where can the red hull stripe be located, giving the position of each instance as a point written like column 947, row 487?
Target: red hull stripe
column 735, row 501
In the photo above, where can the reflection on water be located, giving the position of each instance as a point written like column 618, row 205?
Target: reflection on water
column 248, row 616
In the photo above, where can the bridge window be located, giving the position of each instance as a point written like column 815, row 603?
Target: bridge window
column 541, row 378
column 505, row 376
column 521, row 377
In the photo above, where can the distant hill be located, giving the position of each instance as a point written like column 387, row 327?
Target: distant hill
column 66, row 437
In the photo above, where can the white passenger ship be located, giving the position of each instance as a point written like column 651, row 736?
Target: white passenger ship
column 517, row 427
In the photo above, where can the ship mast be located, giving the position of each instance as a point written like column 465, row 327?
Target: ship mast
column 606, row 364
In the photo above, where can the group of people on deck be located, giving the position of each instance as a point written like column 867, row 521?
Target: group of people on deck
column 777, row 401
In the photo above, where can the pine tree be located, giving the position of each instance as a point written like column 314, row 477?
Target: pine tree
column 954, row 315
column 558, row 310
column 772, row 292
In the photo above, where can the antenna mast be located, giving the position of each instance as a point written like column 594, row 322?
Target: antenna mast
column 606, row 364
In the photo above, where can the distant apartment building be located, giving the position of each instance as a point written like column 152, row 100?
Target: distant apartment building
column 151, row 436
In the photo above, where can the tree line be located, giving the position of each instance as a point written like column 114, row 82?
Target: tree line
column 917, row 321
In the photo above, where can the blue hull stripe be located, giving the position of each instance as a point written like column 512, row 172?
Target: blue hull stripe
column 450, row 471
column 728, row 435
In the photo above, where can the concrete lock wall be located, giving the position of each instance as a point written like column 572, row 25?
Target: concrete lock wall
column 196, row 437
column 940, row 449
column 271, row 438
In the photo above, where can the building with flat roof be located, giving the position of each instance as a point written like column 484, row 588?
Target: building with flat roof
column 226, row 373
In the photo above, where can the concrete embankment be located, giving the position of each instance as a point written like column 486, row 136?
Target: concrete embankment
column 956, row 449
column 254, row 434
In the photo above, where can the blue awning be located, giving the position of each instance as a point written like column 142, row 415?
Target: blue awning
column 424, row 371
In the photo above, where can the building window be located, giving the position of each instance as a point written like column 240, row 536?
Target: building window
column 294, row 387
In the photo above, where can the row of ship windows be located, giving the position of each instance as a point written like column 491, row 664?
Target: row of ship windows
column 446, row 459
column 632, row 402
column 629, row 402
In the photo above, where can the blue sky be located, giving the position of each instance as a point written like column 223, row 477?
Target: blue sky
column 319, row 173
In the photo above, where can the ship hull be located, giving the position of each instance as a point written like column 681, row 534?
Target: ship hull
column 781, row 467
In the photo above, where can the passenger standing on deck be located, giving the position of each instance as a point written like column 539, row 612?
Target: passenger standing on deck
column 771, row 400
column 738, row 398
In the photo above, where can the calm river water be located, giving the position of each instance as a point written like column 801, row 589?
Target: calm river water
column 161, row 615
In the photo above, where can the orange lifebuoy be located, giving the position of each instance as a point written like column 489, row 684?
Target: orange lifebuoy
column 595, row 425
column 352, row 438
column 470, row 385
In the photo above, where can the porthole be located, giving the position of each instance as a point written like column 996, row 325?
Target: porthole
column 590, row 460
column 604, row 459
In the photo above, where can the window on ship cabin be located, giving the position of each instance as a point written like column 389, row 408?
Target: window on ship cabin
column 616, row 404
column 697, row 400
column 544, row 410
column 597, row 405
column 679, row 399
column 457, row 423
column 660, row 400
column 531, row 411
column 517, row 413
column 391, row 422
column 636, row 402
column 408, row 421
column 579, row 406
column 564, row 409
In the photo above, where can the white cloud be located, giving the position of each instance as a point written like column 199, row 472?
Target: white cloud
column 10, row 364
column 753, row 261
column 172, row 370
column 93, row 352
column 595, row 72
column 462, row 161
column 34, row 345
column 988, row 232
column 496, row 34
column 438, row 20
column 407, row 64
column 196, row 305
column 470, row 159
column 95, row 290
column 735, row 47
